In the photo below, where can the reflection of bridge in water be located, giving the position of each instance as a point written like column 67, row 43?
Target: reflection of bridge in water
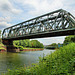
column 57, row 23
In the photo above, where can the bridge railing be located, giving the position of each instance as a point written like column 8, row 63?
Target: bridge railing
column 56, row 20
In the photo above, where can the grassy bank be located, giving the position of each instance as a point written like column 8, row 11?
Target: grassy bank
column 2, row 47
column 23, row 48
column 61, row 62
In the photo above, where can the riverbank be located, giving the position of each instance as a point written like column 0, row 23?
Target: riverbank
column 32, row 49
column 2, row 48
column 21, row 48
column 61, row 62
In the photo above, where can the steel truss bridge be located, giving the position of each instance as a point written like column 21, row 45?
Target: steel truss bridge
column 56, row 23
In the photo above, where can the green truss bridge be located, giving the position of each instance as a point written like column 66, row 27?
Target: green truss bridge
column 56, row 23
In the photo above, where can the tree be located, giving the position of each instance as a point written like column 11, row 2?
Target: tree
column 36, row 44
column 0, row 33
column 33, row 43
column 73, row 39
column 53, row 44
column 69, row 39
column 28, row 43
column 16, row 43
column 0, row 37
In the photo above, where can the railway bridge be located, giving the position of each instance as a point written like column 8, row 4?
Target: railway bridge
column 56, row 23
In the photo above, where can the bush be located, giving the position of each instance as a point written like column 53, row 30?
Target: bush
column 61, row 62
column 21, row 47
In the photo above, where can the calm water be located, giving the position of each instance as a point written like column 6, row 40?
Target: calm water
column 13, row 60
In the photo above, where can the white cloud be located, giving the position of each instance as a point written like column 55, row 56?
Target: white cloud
column 5, row 19
column 73, row 12
column 42, row 6
column 6, row 7
column 4, row 24
column 50, row 40
column 38, row 7
column 31, row 8
column 7, row 13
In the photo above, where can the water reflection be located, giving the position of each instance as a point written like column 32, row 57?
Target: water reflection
column 13, row 60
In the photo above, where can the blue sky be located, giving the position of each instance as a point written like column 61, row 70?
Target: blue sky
column 16, row 11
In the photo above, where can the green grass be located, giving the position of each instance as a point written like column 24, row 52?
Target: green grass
column 61, row 62
column 1, row 46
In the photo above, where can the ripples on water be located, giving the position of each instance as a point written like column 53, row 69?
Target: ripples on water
column 13, row 60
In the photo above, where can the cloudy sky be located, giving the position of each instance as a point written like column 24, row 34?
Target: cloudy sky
column 16, row 11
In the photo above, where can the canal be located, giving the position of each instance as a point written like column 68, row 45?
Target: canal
column 13, row 60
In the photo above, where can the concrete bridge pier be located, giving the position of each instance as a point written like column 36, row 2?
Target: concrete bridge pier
column 10, row 47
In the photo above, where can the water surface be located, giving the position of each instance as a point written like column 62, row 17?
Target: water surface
column 13, row 60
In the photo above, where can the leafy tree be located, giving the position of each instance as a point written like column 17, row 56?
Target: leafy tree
column 53, row 44
column 33, row 43
column 0, row 33
column 41, row 45
column 69, row 39
column 16, row 43
column 36, row 44
column 0, row 37
column 28, row 43
column 73, row 39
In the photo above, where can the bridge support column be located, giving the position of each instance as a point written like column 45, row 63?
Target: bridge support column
column 10, row 47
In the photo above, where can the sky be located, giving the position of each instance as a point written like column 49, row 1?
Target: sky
column 15, row 11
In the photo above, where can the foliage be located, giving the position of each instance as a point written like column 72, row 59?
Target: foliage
column 0, row 33
column 73, row 38
column 61, row 62
column 36, row 44
column 28, row 43
column 0, row 37
column 2, row 47
column 0, row 40
column 20, row 47
column 53, row 44
column 69, row 39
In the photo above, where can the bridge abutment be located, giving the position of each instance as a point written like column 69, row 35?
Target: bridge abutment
column 10, row 47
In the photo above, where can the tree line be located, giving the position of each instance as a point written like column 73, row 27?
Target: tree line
column 28, row 43
column 67, row 40
column 0, row 37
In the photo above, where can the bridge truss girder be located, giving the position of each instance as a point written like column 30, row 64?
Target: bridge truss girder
column 55, row 21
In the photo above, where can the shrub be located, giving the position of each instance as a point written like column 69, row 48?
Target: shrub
column 21, row 47
column 61, row 62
